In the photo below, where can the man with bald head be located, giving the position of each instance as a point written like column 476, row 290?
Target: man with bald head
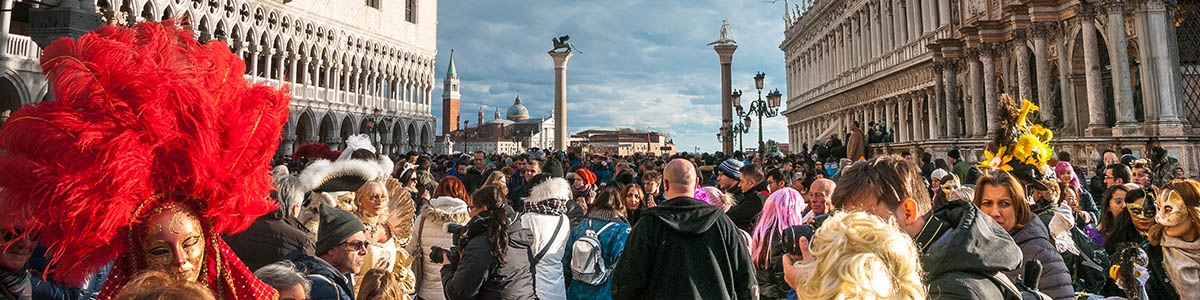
column 684, row 248
column 819, row 198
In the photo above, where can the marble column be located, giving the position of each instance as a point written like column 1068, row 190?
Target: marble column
column 913, row 7
column 1118, row 57
column 1021, row 52
column 937, row 110
column 991, row 95
column 872, row 32
column 270, row 67
column 935, row 123
column 6, row 8
column 1040, row 32
column 889, row 34
column 1161, row 81
column 1097, row 124
column 889, row 114
column 943, row 12
column 1070, row 122
column 725, row 54
column 902, row 122
column 254, row 62
column 978, row 108
column 953, row 117
column 917, row 125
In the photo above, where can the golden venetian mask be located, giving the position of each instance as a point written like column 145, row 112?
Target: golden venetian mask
column 1171, row 210
column 173, row 243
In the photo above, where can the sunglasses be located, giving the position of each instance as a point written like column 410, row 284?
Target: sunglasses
column 356, row 246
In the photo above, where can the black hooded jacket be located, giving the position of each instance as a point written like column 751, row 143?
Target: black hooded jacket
column 684, row 249
column 749, row 205
column 479, row 275
column 964, row 252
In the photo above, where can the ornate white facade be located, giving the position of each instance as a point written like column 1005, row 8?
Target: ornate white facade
column 349, row 64
column 1107, row 73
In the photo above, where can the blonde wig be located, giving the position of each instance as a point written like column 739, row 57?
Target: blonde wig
column 859, row 256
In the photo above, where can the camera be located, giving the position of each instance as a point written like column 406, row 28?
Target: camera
column 792, row 235
column 459, row 240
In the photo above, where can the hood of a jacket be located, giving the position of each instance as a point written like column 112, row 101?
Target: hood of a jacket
column 972, row 241
column 686, row 215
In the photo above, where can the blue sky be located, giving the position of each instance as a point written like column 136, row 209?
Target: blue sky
column 644, row 64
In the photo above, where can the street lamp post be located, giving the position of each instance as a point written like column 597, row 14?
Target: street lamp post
column 759, row 108
column 728, row 131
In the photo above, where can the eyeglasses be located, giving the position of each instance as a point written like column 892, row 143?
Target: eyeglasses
column 356, row 246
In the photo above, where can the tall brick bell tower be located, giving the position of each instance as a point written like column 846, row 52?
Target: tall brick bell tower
column 450, row 98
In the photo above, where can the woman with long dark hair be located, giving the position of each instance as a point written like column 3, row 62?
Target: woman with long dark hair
column 605, row 220
column 1114, row 204
column 1131, row 226
column 494, row 263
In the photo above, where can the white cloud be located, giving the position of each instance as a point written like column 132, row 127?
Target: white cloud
column 644, row 64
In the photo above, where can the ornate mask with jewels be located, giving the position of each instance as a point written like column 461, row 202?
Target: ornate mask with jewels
column 172, row 242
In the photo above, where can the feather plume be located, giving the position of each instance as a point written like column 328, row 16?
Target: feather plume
column 144, row 117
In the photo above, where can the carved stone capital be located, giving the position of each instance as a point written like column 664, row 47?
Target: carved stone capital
column 937, row 66
column 1019, row 35
column 987, row 51
column 1113, row 6
column 972, row 53
column 1085, row 11
column 1042, row 30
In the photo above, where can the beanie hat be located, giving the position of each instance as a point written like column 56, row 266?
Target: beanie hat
column 336, row 226
column 588, row 176
column 554, row 167
column 731, row 168
column 954, row 154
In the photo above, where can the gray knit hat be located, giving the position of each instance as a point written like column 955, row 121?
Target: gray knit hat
column 336, row 226
column 731, row 168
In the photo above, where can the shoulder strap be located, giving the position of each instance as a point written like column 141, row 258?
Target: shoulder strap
column 549, row 243
column 1007, row 288
column 603, row 228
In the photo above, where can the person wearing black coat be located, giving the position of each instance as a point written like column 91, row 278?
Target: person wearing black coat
column 684, row 249
column 753, row 194
column 270, row 238
column 494, row 263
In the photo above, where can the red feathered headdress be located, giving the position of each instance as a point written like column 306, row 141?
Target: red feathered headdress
column 143, row 117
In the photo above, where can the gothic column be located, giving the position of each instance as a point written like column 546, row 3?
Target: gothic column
column 254, row 61
column 975, row 79
column 1024, row 86
column 953, row 120
column 1097, row 125
column 902, row 125
column 937, row 108
column 6, row 7
column 1040, row 32
column 890, row 114
column 270, row 56
column 915, row 119
column 1161, row 82
column 992, row 100
column 1118, row 57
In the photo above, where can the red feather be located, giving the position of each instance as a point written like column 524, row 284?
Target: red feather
column 139, row 112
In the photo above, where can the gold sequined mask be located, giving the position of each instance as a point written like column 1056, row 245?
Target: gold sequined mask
column 173, row 243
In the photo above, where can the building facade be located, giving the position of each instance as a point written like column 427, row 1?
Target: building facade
column 514, row 127
column 1107, row 74
column 623, row 141
column 351, row 66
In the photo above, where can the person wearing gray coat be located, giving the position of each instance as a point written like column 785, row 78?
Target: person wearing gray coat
column 1034, row 241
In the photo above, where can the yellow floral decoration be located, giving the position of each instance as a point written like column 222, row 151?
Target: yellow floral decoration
column 1030, row 144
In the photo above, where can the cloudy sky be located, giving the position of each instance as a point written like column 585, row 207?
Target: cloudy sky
column 644, row 64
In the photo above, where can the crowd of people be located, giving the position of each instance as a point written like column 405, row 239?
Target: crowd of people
column 153, row 190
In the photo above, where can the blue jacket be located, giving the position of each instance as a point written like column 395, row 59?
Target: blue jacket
column 327, row 282
column 612, row 242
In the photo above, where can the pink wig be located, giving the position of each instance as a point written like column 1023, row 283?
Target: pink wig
column 783, row 209
column 1065, row 168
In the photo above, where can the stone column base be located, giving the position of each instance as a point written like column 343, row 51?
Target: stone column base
column 1096, row 131
column 1128, row 129
column 1165, row 129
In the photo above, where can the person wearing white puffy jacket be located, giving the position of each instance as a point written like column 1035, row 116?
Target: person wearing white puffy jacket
column 430, row 230
column 545, row 214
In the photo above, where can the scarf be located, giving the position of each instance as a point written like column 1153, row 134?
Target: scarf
column 553, row 207
column 1182, row 261
column 607, row 216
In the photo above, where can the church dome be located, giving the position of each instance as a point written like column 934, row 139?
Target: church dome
column 517, row 112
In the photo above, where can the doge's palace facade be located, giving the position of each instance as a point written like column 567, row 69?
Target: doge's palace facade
column 352, row 66
column 1108, row 74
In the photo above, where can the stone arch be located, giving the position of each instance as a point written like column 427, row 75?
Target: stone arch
column 168, row 12
column 412, row 136
column 148, row 11
column 304, row 128
column 328, row 130
column 205, row 30
column 347, row 127
column 11, row 94
column 426, row 136
column 398, row 134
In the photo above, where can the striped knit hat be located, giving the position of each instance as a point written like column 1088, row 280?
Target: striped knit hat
column 731, row 168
